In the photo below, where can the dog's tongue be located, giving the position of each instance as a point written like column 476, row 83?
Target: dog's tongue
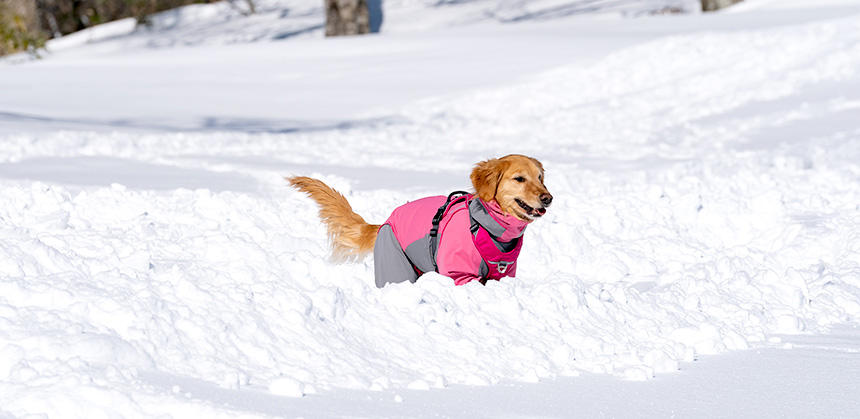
column 540, row 211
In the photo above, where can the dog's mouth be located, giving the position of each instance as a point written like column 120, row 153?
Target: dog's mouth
column 530, row 211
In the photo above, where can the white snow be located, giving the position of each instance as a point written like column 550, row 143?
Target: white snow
column 153, row 262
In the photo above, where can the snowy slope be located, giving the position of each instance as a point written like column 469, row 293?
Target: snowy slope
column 150, row 81
column 704, row 168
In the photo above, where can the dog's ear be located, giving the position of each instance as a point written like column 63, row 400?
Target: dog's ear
column 485, row 178
column 537, row 163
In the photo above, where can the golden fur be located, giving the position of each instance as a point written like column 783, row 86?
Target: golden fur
column 506, row 180
column 350, row 235
column 509, row 178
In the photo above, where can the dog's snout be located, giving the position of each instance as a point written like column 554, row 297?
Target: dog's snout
column 546, row 199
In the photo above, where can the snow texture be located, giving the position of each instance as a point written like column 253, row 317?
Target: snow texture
column 706, row 183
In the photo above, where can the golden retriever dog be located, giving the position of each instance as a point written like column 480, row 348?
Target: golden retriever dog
column 463, row 236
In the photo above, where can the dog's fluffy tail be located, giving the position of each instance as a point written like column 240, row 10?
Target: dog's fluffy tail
column 351, row 236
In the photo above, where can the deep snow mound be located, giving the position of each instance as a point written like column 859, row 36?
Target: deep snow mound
column 706, row 186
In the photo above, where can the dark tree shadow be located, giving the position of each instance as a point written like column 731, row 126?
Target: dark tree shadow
column 220, row 123
column 290, row 34
column 451, row 2
column 571, row 8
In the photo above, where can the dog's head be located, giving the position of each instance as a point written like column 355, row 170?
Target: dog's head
column 516, row 183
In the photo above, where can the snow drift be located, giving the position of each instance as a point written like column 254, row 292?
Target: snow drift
column 707, row 196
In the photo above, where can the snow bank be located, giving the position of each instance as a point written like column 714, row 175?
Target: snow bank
column 707, row 191
column 227, row 23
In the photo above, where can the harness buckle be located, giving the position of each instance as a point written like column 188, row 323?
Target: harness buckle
column 502, row 265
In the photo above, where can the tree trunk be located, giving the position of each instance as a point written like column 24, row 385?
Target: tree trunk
column 19, row 27
column 346, row 17
column 712, row 5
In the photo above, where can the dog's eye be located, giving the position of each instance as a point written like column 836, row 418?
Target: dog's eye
column 520, row 179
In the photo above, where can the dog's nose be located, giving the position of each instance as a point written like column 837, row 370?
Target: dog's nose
column 546, row 199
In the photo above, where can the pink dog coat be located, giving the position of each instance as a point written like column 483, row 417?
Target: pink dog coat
column 476, row 240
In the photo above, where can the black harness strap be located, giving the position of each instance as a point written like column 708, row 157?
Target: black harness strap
column 453, row 198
